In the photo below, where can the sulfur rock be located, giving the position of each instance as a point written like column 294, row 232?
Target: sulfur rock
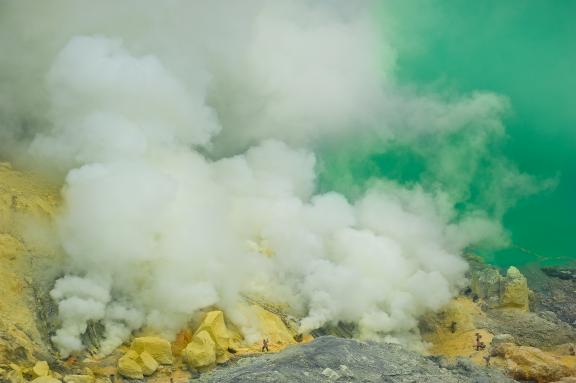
column 160, row 349
column 129, row 368
column 41, row 369
column 148, row 363
column 201, row 352
column 515, row 293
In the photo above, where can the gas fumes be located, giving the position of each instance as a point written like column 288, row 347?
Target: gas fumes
column 186, row 134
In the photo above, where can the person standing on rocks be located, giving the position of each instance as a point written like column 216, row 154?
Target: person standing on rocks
column 479, row 344
column 265, row 345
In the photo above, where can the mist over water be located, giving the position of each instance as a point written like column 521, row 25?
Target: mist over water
column 525, row 51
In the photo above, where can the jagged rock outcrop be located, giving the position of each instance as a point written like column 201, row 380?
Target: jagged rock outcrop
column 148, row 364
column 214, row 325
column 331, row 359
column 514, row 290
column 160, row 349
column 210, row 343
column 532, row 364
column 201, row 351
column 553, row 291
column 29, row 262
column 486, row 284
column 528, row 328
column 134, row 365
column 128, row 366
column 509, row 291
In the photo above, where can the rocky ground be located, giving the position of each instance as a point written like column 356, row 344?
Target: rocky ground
column 526, row 325
column 28, row 264
column 554, row 290
column 332, row 359
column 521, row 336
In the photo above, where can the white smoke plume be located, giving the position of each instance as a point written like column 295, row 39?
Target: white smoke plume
column 187, row 132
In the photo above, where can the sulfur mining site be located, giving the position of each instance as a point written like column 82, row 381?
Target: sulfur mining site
column 287, row 191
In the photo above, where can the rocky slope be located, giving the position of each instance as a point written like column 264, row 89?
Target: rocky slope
column 527, row 345
column 554, row 290
column 26, row 207
column 332, row 359
column 525, row 332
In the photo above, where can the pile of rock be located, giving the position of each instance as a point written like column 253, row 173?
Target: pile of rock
column 509, row 291
column 210, row 344
column 331, row 359
column 529, row 363
column 146, row 354
column 41, row 373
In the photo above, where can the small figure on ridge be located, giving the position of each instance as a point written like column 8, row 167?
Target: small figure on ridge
column 479, row 344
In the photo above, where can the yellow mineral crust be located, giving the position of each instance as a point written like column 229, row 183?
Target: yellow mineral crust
column 453, row 335
column 273, row 328
column 214, row 341
column 201, row 351
column 214, row 325
column 160, row 349
column 458, row 339
column 27, row 206
column 532, row 364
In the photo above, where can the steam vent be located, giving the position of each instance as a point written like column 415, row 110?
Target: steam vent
column 280, row 191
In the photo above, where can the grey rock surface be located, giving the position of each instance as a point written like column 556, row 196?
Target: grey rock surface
column 509, row 290
column 502, row 338
column 554, row 294
column 527, row 328
column 331, row 359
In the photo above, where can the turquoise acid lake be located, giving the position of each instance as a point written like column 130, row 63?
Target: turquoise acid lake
column 523, row 50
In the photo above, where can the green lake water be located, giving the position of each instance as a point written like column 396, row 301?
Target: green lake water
column 522, row 49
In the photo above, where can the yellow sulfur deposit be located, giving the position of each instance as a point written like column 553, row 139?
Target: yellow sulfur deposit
column 530, row 363
column 129, row 368
column 148, row 363
column 28, row 255
column 457, row 340
column 273, row 328
column 515, row 290
column 214, row 325
column 201, row 352
column 41, row 369
column 134, row 365
column 160, row 349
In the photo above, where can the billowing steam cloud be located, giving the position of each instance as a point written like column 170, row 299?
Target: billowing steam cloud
column 187, row 132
